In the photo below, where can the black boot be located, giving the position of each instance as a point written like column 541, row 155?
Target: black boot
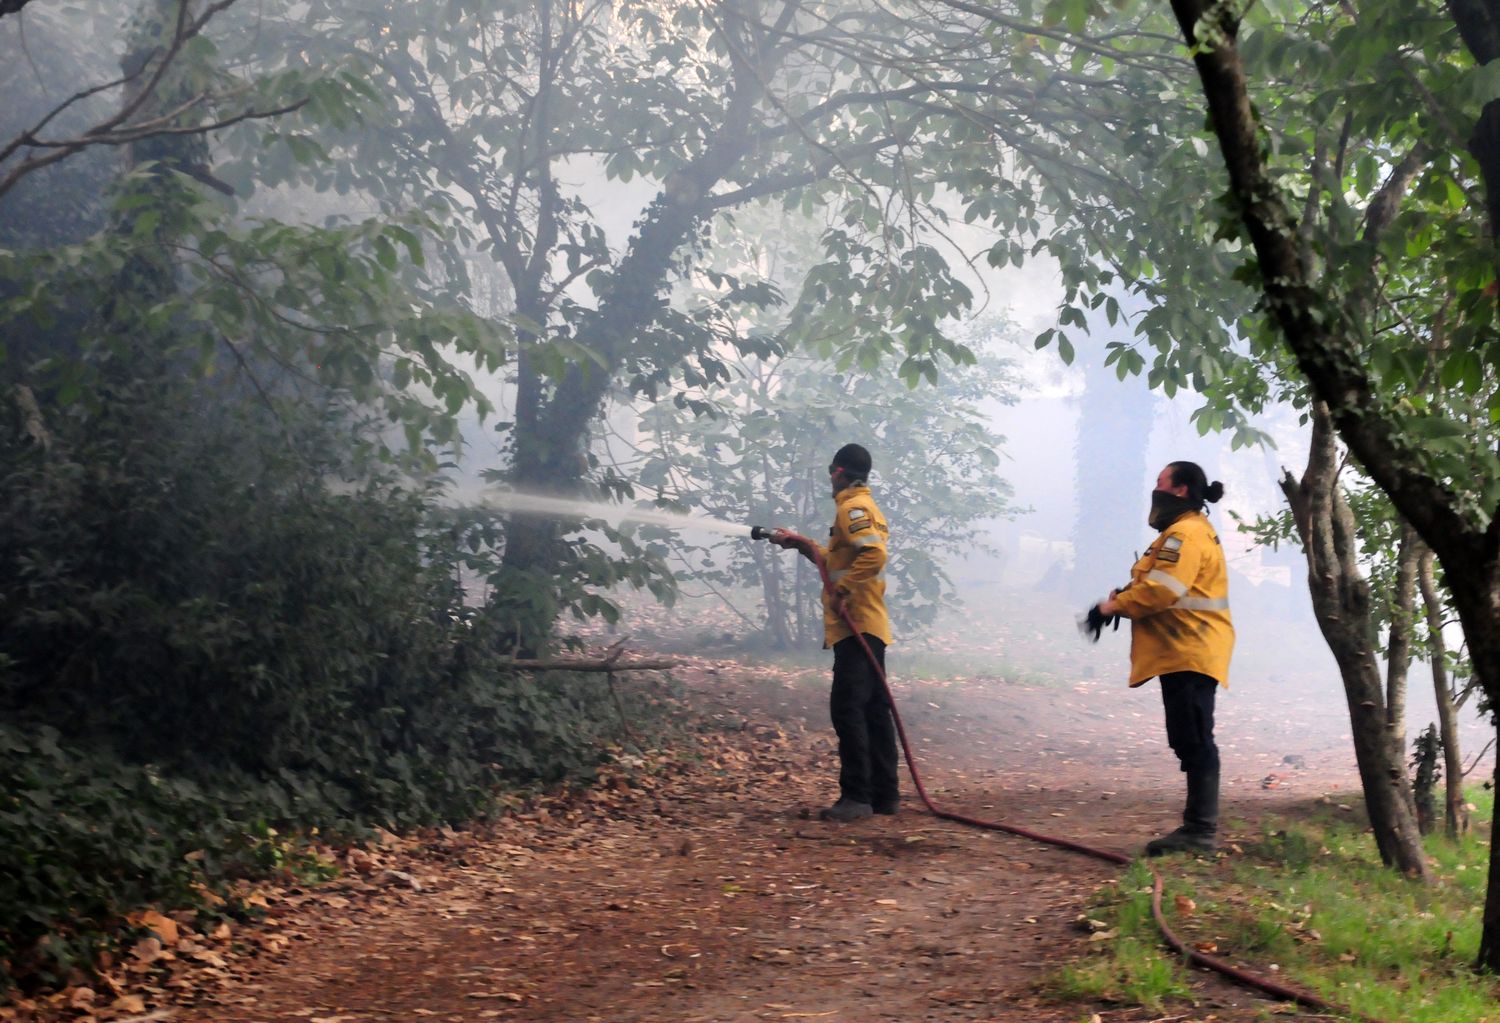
column 845, row 810
column 1200, row 819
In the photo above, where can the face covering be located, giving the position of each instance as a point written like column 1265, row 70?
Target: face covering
column 1167, row 508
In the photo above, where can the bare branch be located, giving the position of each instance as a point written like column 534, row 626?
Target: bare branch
column 1479, row 756
column 580, row 664
column 117, row 129
column 154, row 129
column 609, row 661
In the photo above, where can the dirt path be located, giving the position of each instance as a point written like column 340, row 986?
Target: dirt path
column 709, row 892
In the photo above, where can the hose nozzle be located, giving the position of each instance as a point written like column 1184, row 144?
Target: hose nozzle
column 760, row 532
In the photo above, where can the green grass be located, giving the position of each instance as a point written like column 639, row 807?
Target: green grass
column 1131, row 967
column 1311, row 898
column 1307, row 902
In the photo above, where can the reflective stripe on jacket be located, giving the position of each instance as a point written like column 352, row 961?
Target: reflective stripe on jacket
column 856, row 563
column 1178, row 604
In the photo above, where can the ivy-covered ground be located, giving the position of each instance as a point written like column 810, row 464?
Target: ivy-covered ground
column 695, row 883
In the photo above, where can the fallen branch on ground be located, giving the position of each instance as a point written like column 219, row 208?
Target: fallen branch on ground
column 567, row 664
column 610, row 662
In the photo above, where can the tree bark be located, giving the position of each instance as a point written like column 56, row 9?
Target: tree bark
column 1398, row 648
column 552, row 429
column 1455, row 816
column 773, row 590
column 1341, row 603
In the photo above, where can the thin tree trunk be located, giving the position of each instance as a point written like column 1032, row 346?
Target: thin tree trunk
column 1455, row 816
column 773, row 589
column 1398, row 649
column 1341, row 603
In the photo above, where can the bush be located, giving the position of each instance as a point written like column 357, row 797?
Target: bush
column 209, row 629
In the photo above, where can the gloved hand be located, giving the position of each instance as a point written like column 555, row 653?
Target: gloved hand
column 786, row 539
column 1092, row 624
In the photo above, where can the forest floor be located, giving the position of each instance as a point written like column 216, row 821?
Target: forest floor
column 697, row 884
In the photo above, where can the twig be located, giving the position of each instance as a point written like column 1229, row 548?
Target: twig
column 614, row 693
column 610, row 662
column 1480, row 756
column 117, row 130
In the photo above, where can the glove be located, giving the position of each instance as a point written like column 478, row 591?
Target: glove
column 1092, row 624
column 785, row 539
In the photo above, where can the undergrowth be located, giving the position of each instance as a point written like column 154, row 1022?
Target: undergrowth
column 1131, row 965
column 206, row 653
column 1307, row 901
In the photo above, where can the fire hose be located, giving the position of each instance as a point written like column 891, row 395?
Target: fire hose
column 813, row 553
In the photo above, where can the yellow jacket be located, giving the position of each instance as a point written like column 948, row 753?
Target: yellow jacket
column 1178, row 604
column 856, row 564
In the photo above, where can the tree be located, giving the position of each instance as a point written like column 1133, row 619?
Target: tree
column 1342, row 604
column 757, row 458
column 1437, row 467
column 219, row 522
column 142, row 118
column 903, row 121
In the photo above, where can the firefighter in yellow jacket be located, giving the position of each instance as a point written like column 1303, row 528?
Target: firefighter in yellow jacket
column 861, row 712
column 1180, row 631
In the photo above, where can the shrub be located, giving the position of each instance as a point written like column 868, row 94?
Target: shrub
column 209, row 628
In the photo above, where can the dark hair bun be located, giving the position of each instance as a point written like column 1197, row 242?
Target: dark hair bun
column 1213, row 492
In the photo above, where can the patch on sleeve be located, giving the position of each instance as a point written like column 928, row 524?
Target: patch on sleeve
column 1170, row 550
column 859, row 525
column 856, row 513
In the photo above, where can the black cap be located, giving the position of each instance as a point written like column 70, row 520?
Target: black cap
column 853, row 459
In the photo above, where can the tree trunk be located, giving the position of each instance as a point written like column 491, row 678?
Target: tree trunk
column 1425, row 751
column 552, row 429
column 1398, row 649
column 1341, row 603
column 1455, row 816
column 1326, row 345
column 773, row 588
column 1476, row 594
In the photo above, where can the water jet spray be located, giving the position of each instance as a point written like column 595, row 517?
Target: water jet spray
column 520, row 503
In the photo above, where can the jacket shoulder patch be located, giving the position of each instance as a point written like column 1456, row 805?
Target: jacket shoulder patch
column 856, row 513
column 859, row 525
column 1170, row 550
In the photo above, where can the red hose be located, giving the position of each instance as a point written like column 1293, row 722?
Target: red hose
column 1265, row 984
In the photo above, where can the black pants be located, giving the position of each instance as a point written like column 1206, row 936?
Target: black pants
column 1188, row 698
column 862, row 720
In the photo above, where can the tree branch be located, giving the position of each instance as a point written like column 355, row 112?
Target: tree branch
column 116, row 129
column 1320, row 333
